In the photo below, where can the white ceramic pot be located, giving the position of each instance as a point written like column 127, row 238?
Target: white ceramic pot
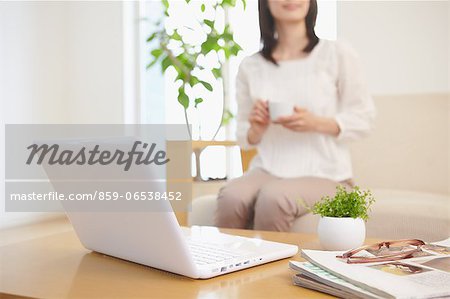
column 341, row 233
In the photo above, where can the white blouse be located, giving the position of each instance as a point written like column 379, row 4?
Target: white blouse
column 328, row 82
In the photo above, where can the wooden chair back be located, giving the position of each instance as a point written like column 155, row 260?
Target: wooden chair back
column 246, row 158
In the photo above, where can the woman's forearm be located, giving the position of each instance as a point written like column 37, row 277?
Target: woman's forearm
column 327, row 125
column 254, row 136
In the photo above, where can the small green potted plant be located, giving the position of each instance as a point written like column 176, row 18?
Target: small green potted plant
column 342, row 218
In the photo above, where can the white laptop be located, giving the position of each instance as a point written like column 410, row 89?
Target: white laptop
column 156, row 239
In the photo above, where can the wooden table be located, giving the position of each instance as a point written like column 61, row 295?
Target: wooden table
column 56, row 265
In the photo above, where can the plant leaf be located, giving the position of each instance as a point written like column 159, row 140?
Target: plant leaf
column 206, row 85
column 165, row 4
column 193, row 80
column 181, row 76
column 231, row 3
column 217, row 73
column 209, row 23
column 234, row 50
column 165, row 63
column 176, row 36
column 198, row 101
column 187, row 60
column 210, row 44
column 227, row 117
column 157, row 52
column 183, row 99
column 152, row 37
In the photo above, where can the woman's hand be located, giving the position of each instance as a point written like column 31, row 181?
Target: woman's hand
column 303, row 120
column 259, row 121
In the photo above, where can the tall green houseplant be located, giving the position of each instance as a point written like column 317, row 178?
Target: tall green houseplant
column 172, row 50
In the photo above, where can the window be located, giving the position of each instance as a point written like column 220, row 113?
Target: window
column 206, row 118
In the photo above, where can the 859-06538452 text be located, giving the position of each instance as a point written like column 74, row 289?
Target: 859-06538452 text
column 97, row 195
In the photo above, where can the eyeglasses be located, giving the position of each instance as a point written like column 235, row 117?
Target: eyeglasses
column 384, row 251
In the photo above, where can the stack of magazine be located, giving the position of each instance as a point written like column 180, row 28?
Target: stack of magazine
column 425, row 275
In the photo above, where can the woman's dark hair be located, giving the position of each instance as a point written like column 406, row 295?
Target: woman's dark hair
column 267, row 27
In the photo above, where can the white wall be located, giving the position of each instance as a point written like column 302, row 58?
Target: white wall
column 32, row 76
column 404, row 48
column 404, row 45
column 94, row 62
column 33, row 48
column 60, row 62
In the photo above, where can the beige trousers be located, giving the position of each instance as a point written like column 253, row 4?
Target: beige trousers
column 269, row 201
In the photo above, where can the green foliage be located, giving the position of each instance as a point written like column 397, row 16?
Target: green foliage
column 198, row 101
column 354, row 203
column 171, row 50
column 227, row 117
column 217, row 73
column 165, row 3
column 183, row 99
column 207, row 85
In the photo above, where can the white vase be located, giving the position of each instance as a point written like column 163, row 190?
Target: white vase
column 341, row 233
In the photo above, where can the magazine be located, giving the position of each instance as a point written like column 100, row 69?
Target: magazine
column 426, row 275
column 326, row 280
column 309, row 283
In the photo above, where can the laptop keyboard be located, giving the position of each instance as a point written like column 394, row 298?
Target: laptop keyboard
column 205, row 253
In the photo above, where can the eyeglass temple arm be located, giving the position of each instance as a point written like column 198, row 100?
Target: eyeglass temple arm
column 379, row 245
column 414, row 242
column 377, row 260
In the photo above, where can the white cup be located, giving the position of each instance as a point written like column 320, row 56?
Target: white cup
column 279, row 109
